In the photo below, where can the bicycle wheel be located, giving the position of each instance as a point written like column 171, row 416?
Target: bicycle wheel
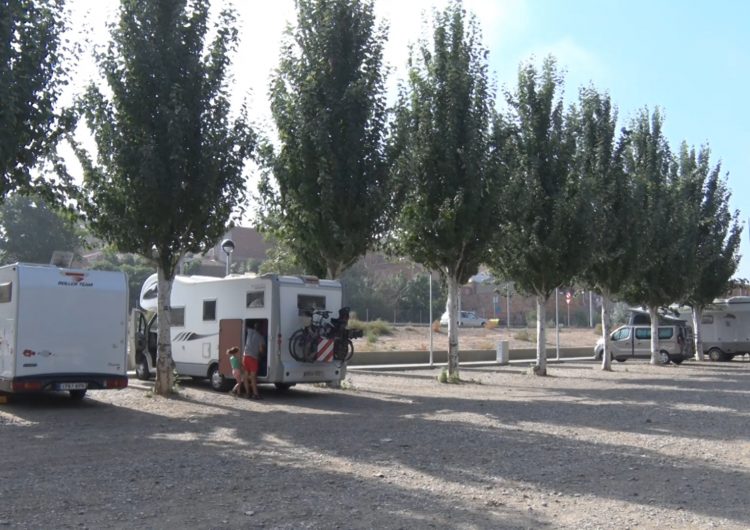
column 310, row 347
column 343, row 350
column 297, row 345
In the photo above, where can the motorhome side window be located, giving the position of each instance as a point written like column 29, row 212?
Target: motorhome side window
column 707, row 319
column 6, row 292
column 209, row 310
column 177, row 315
column 308, row 302
column 255, row 299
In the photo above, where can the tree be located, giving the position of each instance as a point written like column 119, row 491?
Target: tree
column 332, row 197
column 32, row 231
column 32, row 75
column 543, row 239
column 599, row 162
column 170, row 159
column 716, row 235
column 442, row 135
column 661, row 275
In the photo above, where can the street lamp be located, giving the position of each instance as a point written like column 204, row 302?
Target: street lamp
column 228, row 247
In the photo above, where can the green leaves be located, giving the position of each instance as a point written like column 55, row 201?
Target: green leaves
column 169, row 173
column 332, row 198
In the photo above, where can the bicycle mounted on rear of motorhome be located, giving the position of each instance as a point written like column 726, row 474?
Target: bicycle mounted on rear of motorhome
column 309, row 343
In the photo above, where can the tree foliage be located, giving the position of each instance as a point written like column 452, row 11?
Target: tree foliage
column 443, row 141
column 169, row 172
column 136, row 267
column 32, row 231
column 332, row 196
column 32, row 75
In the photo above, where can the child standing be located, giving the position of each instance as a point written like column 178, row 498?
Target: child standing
column 234, row 360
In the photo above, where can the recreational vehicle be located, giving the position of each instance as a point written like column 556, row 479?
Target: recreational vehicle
column 725, row 328
column 210, row 315
column 62, row 329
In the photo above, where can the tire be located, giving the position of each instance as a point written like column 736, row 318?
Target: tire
column 218, row 382
column 141, row 368
column 283, row 387
column 677, row 359
column 77, row 395
column 663, row 357
column 598, row 355
column 716, row 355
column 620, row 359
column 481, row 325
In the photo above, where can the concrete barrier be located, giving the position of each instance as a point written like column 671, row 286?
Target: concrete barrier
column 374, row 358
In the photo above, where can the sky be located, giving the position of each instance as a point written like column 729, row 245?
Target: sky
column 690, row 59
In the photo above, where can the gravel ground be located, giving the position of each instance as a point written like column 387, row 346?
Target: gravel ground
column 641, row 447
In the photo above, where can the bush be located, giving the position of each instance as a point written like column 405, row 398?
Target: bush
column 377, row 327
column 598, row 330
column 522, row 335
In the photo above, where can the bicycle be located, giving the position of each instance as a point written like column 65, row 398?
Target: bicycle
column 303, row 344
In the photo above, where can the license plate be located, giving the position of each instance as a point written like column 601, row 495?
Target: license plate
column 72, row 386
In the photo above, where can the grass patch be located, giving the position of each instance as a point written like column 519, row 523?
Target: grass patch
column 450, row 379
column 377, row 327
column 523, row 335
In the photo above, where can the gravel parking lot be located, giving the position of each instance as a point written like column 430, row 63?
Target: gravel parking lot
column 641, row 447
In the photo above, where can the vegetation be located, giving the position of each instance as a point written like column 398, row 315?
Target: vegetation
column 442, row 139
column 169, row 172
column 328, row 103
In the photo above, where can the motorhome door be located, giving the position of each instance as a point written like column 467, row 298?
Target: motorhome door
column 230, row 334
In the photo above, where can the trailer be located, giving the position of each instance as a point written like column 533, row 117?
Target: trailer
column 62, row 329
column 725, row 328
column 210, row 315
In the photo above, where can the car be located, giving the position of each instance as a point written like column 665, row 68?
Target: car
column 468, row 319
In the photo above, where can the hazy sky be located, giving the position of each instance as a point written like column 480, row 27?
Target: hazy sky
column 692, row 59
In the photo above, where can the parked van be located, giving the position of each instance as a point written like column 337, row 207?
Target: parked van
column 633, row 341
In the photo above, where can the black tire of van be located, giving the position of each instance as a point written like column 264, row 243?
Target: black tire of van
column 217, row 381
column 677, row 359
column 77, row 395
column 283, row 387
column 621, row 359
column 663, row 357
column 141, row 368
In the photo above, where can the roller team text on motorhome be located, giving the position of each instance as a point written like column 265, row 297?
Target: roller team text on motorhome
column 62, row 329
column 210, row 315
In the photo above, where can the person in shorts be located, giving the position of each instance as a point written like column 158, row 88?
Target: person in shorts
column 234, row 360
column 253, row 348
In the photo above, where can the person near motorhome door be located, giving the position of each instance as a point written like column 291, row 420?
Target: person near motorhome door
column 253, row 349
column 234, row 360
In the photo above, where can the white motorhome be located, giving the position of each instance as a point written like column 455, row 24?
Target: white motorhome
column 725, row 328
column 62, row 329
column 210, row 315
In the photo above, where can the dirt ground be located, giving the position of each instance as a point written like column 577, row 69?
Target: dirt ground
column 417, row 338
column 644, row 446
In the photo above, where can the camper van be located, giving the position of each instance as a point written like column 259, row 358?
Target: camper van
column 210, row 315
column 62, row 329
column 633, row 340
column 725, row 328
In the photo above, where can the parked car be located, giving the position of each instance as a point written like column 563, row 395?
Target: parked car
column 631, row 342
column 468, row 319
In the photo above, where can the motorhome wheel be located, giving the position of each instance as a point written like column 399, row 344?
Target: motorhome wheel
column 283, row 387
column 218, row 381
column 716, row 355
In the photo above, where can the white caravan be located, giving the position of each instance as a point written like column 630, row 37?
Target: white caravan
column 725, row 328
column 210, row 315
column 62, row 329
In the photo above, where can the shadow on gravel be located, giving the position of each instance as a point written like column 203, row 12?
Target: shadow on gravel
column 323, row 458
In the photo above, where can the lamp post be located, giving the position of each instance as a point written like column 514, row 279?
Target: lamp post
column 228, row 247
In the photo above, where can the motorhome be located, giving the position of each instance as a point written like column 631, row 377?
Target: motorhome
column 725, row 328
column 62, row 329
column 210, row 315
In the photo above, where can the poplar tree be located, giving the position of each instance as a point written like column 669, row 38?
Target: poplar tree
column 169, row 171
column 444, row 164
column 330, row 198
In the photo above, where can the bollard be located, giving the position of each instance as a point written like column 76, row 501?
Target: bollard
column 502, row 352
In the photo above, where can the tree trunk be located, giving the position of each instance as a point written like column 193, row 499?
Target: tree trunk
column 698, row 333
column 654, row 335
column 606, row 326
column 453, row 316
column 541, row 337
column 164, row 364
